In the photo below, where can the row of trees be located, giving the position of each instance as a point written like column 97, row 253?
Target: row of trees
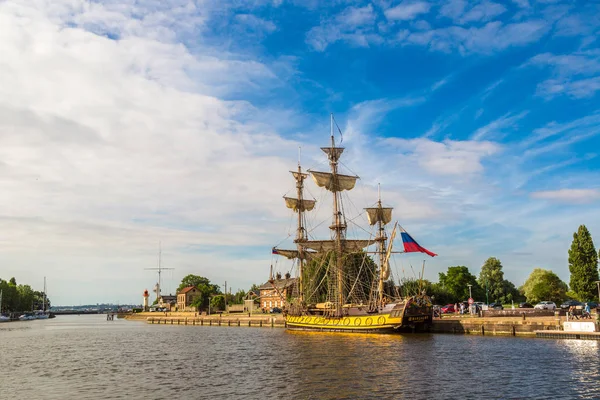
column 453, row 285
column 541, row 284
column 20, row 297
column 210, row 293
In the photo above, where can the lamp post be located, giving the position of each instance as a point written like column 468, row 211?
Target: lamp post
column 598, row 284
column 470, row 297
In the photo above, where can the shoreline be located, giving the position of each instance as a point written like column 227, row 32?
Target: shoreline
column 482, row 326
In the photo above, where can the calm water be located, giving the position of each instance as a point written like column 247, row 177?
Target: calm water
column 87, row 357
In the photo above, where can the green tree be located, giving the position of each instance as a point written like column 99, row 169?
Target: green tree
column 193, row 280
column 26, row 298
column 456, row 283
column 239, row 297
column 491, row 279
column 544, row 285
column 217, row 303
column 10, row 295
column 205, row 287
column 583, row 265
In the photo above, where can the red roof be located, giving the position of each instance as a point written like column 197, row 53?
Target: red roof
column 187, row 289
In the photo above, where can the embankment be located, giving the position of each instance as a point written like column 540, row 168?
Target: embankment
column 507, row 326
column 190, row 318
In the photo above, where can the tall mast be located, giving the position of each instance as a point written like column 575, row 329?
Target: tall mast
column 381, row 216
column 381, row 240
column 300, row 233
column 160, row 269
column 44, row 306
column 337, row 227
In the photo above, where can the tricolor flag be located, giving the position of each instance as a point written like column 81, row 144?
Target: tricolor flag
column 411, row 245
column 274, row 251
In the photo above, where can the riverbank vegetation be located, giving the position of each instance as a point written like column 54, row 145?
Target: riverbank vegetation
column 21, row 297
column 542, row 284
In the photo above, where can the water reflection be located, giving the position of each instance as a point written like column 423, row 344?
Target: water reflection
column 89, row 358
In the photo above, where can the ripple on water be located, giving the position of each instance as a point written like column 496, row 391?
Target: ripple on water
column 89, row 358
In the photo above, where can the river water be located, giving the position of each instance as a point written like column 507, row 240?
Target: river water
column 87, row 357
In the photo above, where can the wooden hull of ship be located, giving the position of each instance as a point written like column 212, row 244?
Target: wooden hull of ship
column 373, row 323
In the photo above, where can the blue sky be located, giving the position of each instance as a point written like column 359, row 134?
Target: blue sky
column 126, row 123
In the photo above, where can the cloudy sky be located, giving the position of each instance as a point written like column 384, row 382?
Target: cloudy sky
column 125, row 123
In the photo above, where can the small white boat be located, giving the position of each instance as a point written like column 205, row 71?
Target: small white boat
column 26, row 317
column 41, row 315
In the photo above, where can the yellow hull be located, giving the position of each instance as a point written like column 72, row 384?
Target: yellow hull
column 363, row 323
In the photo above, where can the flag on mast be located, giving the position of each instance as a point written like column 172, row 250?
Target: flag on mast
column 411, row 245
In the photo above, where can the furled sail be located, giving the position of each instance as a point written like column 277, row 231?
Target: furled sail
column 379, row 214
column 286, row 253
column 291, row 254
column 298, row 175
column 323, row 246
column 333, row 152
column 302, row 205
column 334, row 184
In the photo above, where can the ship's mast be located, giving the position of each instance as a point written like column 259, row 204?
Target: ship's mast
column 300, row 233
column 381, row 240
column 338, row 228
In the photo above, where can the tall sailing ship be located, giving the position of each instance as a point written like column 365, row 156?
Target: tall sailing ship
column 339, row 287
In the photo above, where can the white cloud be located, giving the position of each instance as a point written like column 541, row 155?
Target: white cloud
column 576, row 75
column 569, row 195
column 499, row 126
column 108, row 146
column 492, row 37
column 256, row 23
column 356, row 16
column 482, row 12
column 448, row 157
column 353, row 25
column 407, row 11
column 463, row 12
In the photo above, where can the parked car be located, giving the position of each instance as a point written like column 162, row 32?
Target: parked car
column 525, row 305
column 480, row 304
column 495, row 306
column 276, row 310
column 545, row 305
column 448, row 308
column 570, row 303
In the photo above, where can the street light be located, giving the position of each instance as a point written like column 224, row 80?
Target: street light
column 470, row 297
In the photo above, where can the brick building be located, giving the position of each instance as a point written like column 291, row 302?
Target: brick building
column 185, row 298
column 274, row 294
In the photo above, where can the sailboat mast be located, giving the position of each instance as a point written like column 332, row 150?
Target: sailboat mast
column 44, row 309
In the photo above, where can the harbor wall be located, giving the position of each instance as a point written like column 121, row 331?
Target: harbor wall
column 508, row 326
column 495, row 326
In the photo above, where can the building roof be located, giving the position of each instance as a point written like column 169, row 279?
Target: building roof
column 186, row 289
column 278, row 283
column 168, row 298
